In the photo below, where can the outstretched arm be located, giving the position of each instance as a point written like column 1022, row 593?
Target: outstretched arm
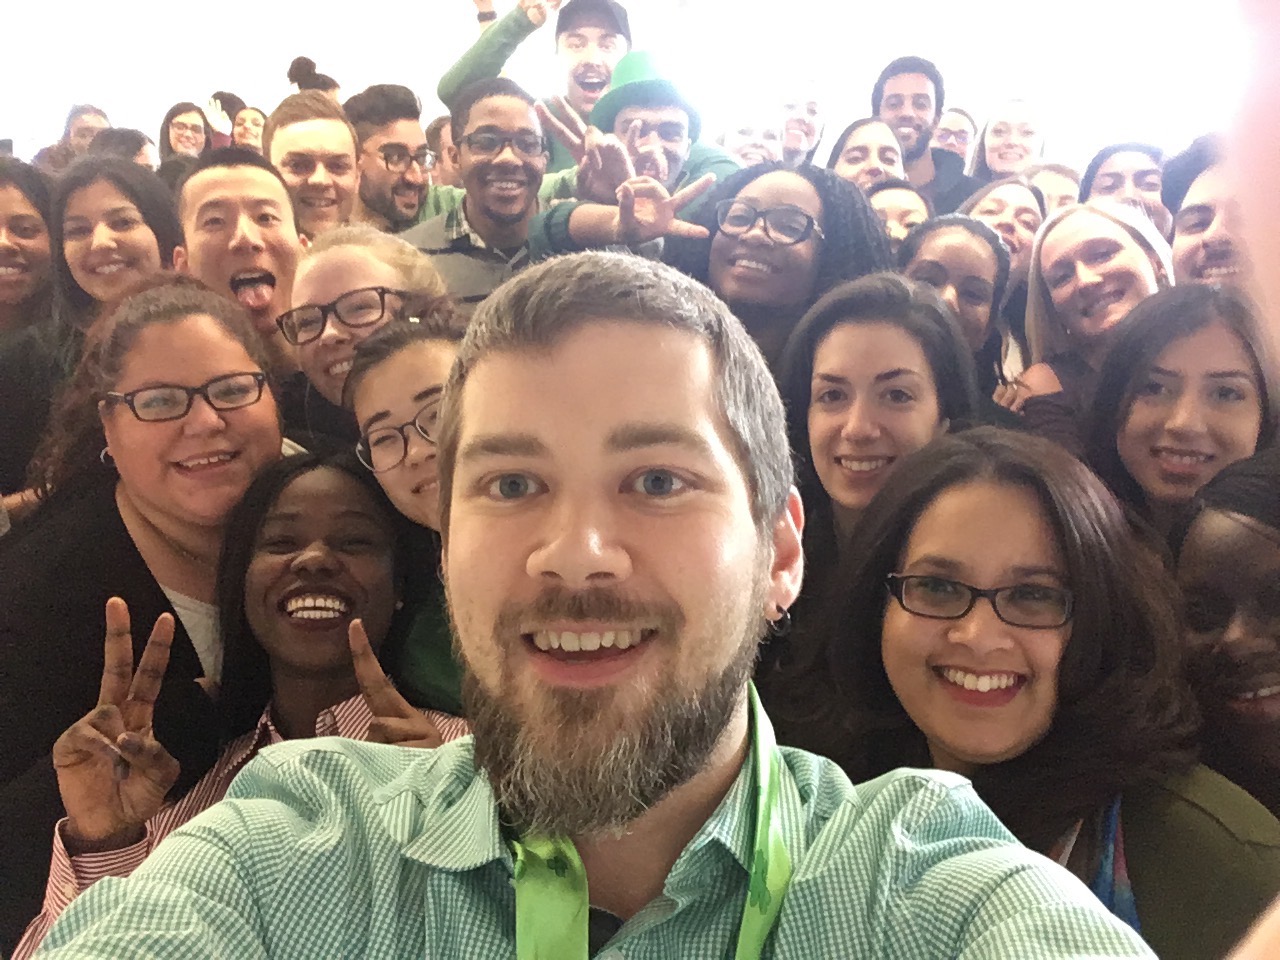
column 488, row 55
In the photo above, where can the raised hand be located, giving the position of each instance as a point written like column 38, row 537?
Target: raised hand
column 395, row 719
column 217, row 117
column 649, row 160
column 646, row 210
column 539, row 11
column 571, row 131
column 112, row 772
column 606, row 165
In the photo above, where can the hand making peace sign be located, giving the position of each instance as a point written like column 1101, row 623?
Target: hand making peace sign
column 112, row 772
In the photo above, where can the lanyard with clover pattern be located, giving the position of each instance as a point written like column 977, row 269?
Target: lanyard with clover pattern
column 552, row 903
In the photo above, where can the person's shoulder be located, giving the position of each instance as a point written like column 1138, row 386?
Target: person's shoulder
column 1208, row 803
column 913, row 863
column 427, row 234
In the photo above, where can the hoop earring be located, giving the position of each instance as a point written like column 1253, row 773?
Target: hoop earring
column 105, row 455
column 782, row 626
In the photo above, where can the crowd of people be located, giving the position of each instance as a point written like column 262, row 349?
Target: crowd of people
column 551, row 458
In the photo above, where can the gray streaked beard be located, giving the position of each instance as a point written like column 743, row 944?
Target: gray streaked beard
column 562, row 785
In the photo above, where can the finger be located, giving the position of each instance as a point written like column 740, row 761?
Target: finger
column 632, row 137
column 571, row 140
column 149, row 757
column 140, row 706
column 117, row 654
column 686, row 195
column 380, row 694
column 683, row 228
column 90, row 736
column 577, row 124
column 401, row 730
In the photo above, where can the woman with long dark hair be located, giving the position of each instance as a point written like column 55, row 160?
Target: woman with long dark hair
column 313, row 547
column 1188, row 387
column 1002, row 621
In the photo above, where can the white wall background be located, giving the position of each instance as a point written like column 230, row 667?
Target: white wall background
column 1100, row 70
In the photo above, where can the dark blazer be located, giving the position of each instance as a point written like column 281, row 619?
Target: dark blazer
column 58, row 568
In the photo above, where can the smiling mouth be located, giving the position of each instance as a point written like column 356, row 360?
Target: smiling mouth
column 592, row 84
column 980, row 682
column 562, row 642
column 341, row 368
column 1102, row 304
column 315, row 606
column 13, row 270
column 110, row 269
column 863, row 464
column 207, row 461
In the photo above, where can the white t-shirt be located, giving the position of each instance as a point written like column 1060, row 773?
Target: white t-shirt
column 201, row 622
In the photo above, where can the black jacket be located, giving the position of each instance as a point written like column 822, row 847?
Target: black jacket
column 950, row 187
column 58, row 568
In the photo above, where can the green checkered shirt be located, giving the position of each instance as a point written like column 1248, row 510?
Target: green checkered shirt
column 333, row 848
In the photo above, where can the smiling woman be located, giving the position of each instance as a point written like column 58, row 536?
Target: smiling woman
column 1044, row 664
column 162, row 427
column 1188, row 387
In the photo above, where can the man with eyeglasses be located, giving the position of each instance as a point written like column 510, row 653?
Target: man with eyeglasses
column 311, row 142
column 501, row 155
column 393, row 156
column 956, row 132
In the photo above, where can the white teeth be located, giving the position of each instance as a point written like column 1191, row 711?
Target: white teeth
column 206, row 461
column 862, row 466
column 1259, row 694
column 11, row 271
column 753, row 265
column 1212, row 273
column 587, row 642
column 982, row 683
column 1183, row 459
column 340, row 369
column 110, row 268
column 312, row 606
column 505, row 184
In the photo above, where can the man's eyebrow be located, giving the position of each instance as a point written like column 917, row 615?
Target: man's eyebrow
column 503, row 445
column 114, row 211
column 635, row 436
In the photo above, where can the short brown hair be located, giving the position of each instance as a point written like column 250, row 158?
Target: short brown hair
column 546, row 303
column 307, row 105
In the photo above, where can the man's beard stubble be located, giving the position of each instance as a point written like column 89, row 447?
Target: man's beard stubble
column 554, row 778
column 384, row 204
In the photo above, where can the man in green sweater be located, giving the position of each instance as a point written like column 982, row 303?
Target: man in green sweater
column 591, row 37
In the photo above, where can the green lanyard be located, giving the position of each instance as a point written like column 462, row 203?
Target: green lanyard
column 552, row 903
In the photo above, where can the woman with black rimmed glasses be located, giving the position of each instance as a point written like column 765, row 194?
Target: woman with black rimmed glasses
column 350, row 283
column 164, row 424
column 394, row 389
column 775, row 241
column 1002, row 621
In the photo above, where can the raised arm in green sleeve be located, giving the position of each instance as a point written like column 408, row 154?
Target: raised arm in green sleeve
column 487, row 56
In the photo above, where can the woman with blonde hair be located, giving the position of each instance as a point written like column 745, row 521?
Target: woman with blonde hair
column 351, row 282
column 1091, row 264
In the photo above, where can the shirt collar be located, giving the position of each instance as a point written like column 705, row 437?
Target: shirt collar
column 457, row 228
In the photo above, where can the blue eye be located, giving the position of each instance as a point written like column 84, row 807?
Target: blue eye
column 659, row 483
column 512, row 486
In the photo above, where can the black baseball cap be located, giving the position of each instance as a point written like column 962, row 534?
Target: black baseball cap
column 610, row 9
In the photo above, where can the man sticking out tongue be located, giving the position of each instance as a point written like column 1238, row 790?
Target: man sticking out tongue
column 239, row 237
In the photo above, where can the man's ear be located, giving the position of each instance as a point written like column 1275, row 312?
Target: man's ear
column 180, row 262
column 787, row 572
column 455, row 157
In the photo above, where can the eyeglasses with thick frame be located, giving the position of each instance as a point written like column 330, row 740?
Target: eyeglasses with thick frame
column 785, row 225
column 486, row 143
column 355, row 308
column 161, row 402
column 398, row 159
column 385, row 448
column 1031, row 605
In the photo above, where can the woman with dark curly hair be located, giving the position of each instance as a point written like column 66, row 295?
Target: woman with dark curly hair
column 162, row 427
column 1002, row 621
column 776, row 241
